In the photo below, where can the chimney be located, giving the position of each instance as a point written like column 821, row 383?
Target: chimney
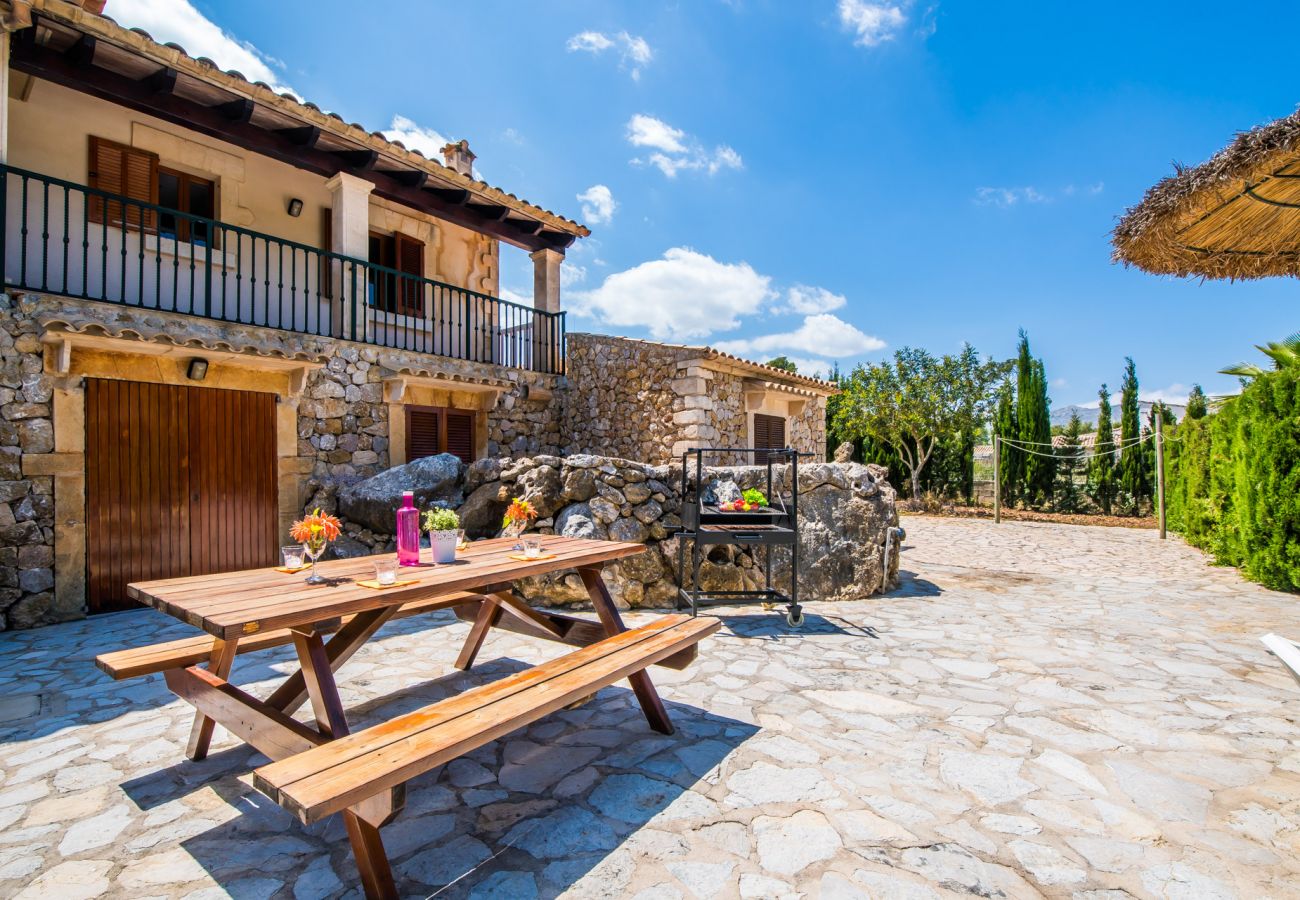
column 459, row 157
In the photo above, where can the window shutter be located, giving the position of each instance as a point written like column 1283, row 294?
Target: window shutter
column 460, row 435
column 421, row 432
column 410, row 260
column 119, row 169
column 769, row 434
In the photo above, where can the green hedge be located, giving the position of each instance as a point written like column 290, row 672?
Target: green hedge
column 1234, row 485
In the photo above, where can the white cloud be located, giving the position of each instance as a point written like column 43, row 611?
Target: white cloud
column 647, row 131
column 417, row 137
column 571, row 274
column 1008, row 196
column 814, row 367
column 822, row 334
column 677, row 151
column 1060, row 383
column 598, row 205
column 872, row 23
column 634, row 52
column 177, row 21
column 684, row 295
column 807, row 300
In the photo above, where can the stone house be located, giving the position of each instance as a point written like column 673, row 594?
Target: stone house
column 217, row 297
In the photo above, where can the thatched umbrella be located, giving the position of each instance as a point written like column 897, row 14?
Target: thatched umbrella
column 1235, row 216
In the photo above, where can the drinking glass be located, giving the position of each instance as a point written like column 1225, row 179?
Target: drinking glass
column 314, row 549
column 532, row 546
column 386, row 571
column 461, row 540
column 293, row 556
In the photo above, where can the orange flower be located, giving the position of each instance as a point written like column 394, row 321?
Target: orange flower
column 316, row 528
column 520, row 511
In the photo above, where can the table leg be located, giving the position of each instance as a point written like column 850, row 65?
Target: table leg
column 318, row 677
column 488, row 615
column 372, row 860
column 339, row 649
column 219, row 664
column 612, row 622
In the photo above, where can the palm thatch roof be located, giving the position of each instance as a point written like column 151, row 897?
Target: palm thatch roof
column 1236, row 215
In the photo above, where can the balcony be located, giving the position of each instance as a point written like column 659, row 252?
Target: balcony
column 59, row 237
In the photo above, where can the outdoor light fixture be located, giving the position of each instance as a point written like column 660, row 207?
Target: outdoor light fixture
column 198, row 370
column 295, row 207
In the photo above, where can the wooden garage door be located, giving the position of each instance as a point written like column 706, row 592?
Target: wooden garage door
column 179, row 481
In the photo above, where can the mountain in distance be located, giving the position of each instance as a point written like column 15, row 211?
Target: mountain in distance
column 1061, row 415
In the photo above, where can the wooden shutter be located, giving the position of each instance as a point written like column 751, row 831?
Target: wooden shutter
column 409, row 259
column 119, row 169
column 769, row 434
column 423, row 425
column 460, row 435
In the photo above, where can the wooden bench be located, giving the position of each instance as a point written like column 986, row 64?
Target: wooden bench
column 180, row 654
column 342, row 773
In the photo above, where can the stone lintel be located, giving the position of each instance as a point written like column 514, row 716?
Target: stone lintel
column 54, row 464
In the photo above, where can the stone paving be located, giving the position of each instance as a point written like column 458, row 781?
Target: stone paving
column 1040, row 710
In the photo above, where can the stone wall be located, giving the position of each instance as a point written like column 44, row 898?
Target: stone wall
column 845, row 512
column 619, row 400
column 26, row 501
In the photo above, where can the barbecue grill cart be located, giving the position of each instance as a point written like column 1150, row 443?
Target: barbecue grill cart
column 704, row 524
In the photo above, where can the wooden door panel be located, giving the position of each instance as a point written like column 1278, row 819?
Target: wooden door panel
column 180, row 481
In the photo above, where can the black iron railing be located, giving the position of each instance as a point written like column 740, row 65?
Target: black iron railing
column 65, row 238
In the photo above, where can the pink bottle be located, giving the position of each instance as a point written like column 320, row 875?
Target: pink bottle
column 408, row 532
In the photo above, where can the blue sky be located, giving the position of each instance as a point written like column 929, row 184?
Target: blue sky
column 829, row 179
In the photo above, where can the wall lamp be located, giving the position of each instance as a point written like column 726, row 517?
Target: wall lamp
column 198, row 370
column 295, row 207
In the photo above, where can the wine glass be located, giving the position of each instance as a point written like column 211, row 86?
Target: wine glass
column 314, row 549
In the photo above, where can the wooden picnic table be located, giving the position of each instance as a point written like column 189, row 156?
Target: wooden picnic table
column 328, row 623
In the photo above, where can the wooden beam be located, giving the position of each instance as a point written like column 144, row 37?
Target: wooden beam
column 239, row 110
column 50, row 65
column 361, row 160
column 490, row 211
column 529, row 228
column 161, row 82
column 82, row 53
column 306, row 136
column 412, row 178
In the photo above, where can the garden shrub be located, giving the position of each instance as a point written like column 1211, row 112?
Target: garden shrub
column 1235, row 481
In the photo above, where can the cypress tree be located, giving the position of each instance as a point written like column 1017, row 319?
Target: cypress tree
column 1026, row 396
column 1133, row 482
column 1043, row 472
column 1010, row 457
column 1102, row 469
column 1197, row 407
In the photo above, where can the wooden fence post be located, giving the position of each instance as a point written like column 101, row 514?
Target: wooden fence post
column 997, row 479
column 1160, row 469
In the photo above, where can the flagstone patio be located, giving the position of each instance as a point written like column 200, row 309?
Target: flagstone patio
column 1040, row 710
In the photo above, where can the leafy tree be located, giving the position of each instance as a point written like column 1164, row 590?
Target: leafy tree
column 1040, row 467
column 1197, row 406
column 1101, row 475
column 1067, row 464
column 783, row 362
column 1009, row 457
column 1133, row 481
column 911, row 402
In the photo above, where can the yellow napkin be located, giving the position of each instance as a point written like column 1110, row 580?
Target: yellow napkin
column 522, row 558
column 375, row 585
column 286, row 570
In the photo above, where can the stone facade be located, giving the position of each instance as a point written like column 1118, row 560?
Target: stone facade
column 650, row 401
column 338, row 402
column 26, row 501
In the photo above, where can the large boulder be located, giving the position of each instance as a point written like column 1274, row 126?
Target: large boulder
column 541, row 486
column 374, row 501
column 482, row 511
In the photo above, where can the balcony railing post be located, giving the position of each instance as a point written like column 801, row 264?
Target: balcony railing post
column 207, row 274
